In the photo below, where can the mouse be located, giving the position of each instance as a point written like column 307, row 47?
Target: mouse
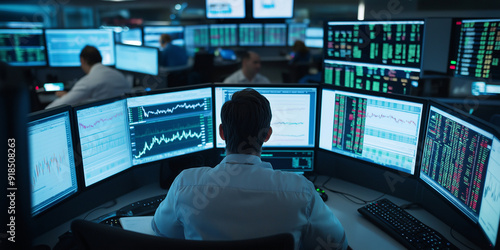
column 322, row 194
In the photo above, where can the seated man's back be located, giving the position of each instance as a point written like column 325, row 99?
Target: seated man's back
column 100, row 82
column 245, row 198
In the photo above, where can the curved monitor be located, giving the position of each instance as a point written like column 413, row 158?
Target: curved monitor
column 289, row 129
column 373, row 128
column 104, row 139
column 170, row 124
column 461, row 162
column 51, row 158
column 64, row 45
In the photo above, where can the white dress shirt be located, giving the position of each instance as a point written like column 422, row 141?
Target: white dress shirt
column 100, row 83
column 238, row 77
column 243, row 198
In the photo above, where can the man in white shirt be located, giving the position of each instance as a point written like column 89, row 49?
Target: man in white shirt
column 243, row 197
column 249, row 72
column 100, row 82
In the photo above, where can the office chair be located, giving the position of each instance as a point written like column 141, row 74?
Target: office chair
column 94, row 236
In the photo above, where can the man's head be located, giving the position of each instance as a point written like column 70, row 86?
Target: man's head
column 89, row 56
column 250, row 64
column 246, row 122
column 165, row 39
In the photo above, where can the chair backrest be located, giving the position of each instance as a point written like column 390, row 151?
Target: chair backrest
column 94, row 236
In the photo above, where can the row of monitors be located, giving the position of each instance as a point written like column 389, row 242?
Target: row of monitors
column 455, row 155
column 474, row 49
column 61, row 47
column 235, row 9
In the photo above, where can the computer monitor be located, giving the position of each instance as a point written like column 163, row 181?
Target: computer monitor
column 22, row 47
column 104, row 139
column 216, row 9
column 460, row 161
column 64, row 45
column 396, row 43
column 137, row 59
column 379, row 129
column 196, row 37
column 474, row 51
column 131, row 36
column 152, row 35
column 170, row 124
column 51, row 158
column 314, row 37
column 223, row 35
column 274, row 34
column 251, row 34
column 296, row 32
column 289, row 129
column 373, row 77
column 272, row 8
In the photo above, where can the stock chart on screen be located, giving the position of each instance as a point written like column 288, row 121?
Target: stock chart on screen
column 170, row 124
column 455, row 158
column 397, row 43
column 104, row 140
column 52, row 164
column 289, row 129
column 372, row 128
column 476, row 49
column 374, row 77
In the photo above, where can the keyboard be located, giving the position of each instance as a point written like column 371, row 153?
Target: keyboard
column 143, row 207
column 403, row 227
column 139, row 208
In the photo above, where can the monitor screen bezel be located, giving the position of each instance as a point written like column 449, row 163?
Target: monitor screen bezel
column 383, row 95
column 45, row 114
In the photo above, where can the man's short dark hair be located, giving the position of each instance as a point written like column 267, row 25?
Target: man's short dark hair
column 165, row 38
column 91, row 55
column 246, row 119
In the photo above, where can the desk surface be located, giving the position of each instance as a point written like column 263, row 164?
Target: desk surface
column 360, row 233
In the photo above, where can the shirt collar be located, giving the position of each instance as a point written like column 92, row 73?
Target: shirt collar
column 245, row 159
column 96, row 65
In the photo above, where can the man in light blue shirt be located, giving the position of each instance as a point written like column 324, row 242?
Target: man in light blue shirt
column 243, row 197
